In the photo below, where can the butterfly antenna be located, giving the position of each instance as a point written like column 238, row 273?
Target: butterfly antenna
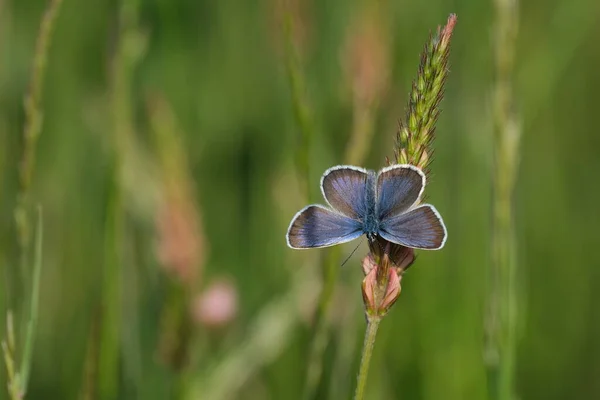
column 353, row 251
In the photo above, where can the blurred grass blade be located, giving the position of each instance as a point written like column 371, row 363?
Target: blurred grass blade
column 33, row 126
column 33, row 313
column 108, row 368
column 129, row 49
column 8, row 349
column 10, row 327
column 366, row 61
column 17, row 381
column 303, row 114
column 500, row 350
column 322, row 325
column 302, row 108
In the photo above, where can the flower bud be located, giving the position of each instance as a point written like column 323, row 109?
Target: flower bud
column 377, row 297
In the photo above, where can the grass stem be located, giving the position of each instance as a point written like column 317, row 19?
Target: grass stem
column 31, row 132
column 34, row 302
column 302, row 109
column 33, row 127
column 18, row 378
column 331, row 269
column 501, row 319
column 330, row 264
column 8, row 349
column 367, row 352
column 108, row 362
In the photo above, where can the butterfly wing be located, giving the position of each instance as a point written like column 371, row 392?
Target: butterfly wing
column 399, row 187
column 344, row 187
column 317, row 226
column 420, row 228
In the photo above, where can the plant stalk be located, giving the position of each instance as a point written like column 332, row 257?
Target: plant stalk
column 302, row 109
column 330, row 263
column 414, row 140
column 8, row 348
column 502, row 320
column 126, row 53
column 367, row 352
column 320, row 338
column 33, row 128
column 34, row 303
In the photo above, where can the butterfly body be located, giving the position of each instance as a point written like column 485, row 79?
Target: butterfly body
column 384, row 203
column 370, row 221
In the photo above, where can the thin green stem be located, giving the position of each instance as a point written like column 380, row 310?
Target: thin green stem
column 33, row 126
column 365, row 360
column 130, row 46
column 501, row 319
column 108, row 362
column 302, row 110
column 90, row 368
column 357, row 148
column 33, row 313
column 362, row 134
column 331, row 265
column 8, row 348
column 31, row 133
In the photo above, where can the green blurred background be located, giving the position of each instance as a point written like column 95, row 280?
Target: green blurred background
column 166, row 173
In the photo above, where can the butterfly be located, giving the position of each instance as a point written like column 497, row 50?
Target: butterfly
column 382, row 204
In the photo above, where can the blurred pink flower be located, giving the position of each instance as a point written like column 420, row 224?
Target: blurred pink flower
column 217, row 305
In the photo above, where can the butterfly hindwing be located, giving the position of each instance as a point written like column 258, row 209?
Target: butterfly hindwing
column 317, row 226
column 420, row 228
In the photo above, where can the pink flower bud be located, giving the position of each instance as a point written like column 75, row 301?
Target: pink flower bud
column 378, row 299
column 368, row 263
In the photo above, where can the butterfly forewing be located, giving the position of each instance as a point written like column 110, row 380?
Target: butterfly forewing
column 398, row 188
column 317, row 226
column 420, row 228
column 344, row 188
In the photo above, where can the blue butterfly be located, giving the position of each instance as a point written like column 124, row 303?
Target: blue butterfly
column 377, row 204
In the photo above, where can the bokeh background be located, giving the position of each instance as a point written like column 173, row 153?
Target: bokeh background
column 167, row 173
